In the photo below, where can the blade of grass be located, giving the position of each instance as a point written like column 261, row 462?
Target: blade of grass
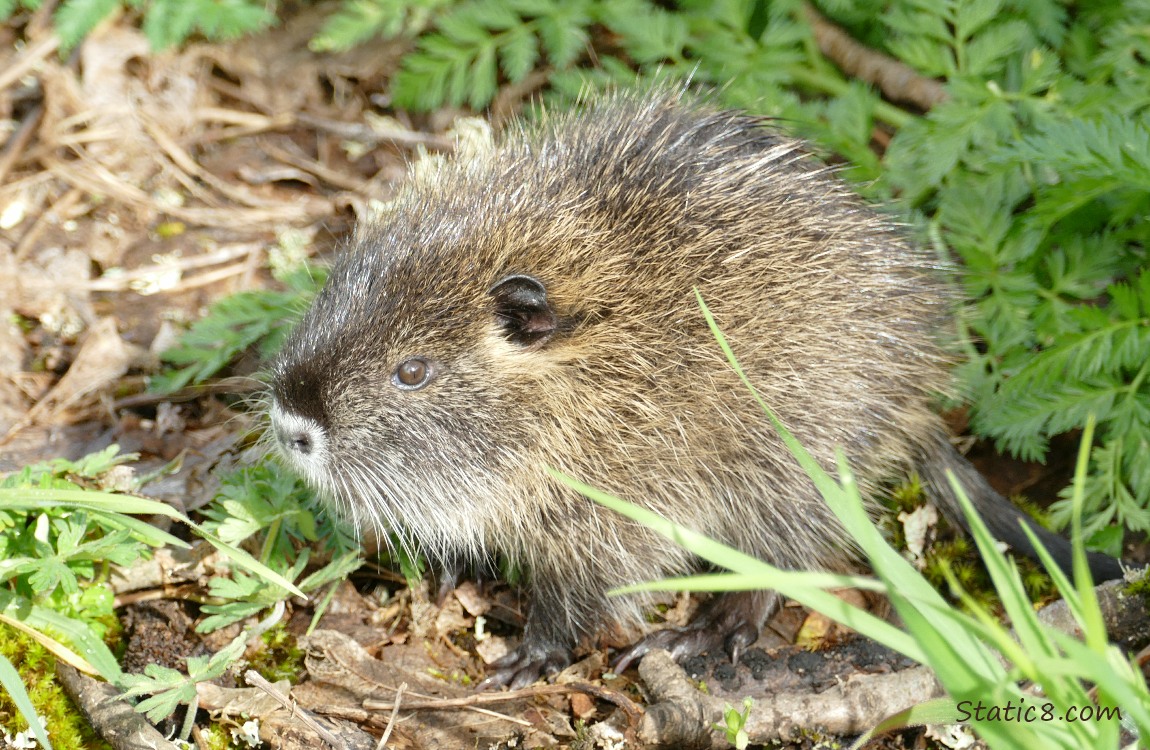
column 1007, row 583
column 743, row 582
column 769, row 577
column 957, row 649
column 37, row 499
column 12, row 683
column 937, row 711
column 1093, row 623
column 94, row 656
column 107, row 503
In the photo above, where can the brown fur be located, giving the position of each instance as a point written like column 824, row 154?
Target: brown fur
column 619, row 212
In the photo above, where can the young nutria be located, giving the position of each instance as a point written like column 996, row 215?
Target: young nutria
column 533, row 307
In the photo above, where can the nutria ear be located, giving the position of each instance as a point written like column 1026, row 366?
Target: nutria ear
column 523, row 311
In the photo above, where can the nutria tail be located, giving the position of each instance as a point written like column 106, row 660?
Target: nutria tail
column 1000, row 516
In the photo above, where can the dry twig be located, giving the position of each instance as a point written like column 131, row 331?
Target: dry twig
column 354, row 131
column 898, row 81
column 254, row 679
column 32, row 56
column 391, row 720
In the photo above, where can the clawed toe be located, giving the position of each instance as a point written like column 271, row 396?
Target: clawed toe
column 525, row 665
column 682, row 643
column 732, row 621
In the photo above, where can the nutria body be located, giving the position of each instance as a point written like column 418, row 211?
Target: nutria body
column 534, row 308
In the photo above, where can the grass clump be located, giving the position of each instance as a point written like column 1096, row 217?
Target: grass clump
column 65, row 524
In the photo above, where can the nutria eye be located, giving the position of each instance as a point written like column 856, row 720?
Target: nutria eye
column 413, row 373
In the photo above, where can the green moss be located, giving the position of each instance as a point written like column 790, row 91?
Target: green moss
column 216, row 737
column 281, row 658
column 908, row 495
column 953, row 549
column 1140, row 587
column 67, row 728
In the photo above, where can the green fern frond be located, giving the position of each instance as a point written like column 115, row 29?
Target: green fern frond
column 1117, row 489
column 1021, row 420
column 359, row 21
column 649, row 33
column 477, row 42
column 75, row 18
column 259, row 319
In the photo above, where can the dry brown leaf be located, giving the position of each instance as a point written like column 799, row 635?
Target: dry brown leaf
column 249, row 702
column 103, row 358
column 472, row 598
column 451, row 618
column 44, row 289
column 492, row 648
column 582, row 706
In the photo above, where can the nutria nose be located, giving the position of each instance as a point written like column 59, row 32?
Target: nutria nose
column 295, row 435
column 295, row 440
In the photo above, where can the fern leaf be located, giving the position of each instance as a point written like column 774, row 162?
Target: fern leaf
column 75, row 18
column 168, row 22
column 482, row 77
column 231, row 19
column 1116, row 489
column 986, row 53
column 428, row 76
column 650, row 34
column 971, row 17
column 464, row 27
column 518, row 53
column 1108, row 147
column 1099, row 367
column 564, row 33
column 491, row 15
column 357, row 21
column 1021, row 420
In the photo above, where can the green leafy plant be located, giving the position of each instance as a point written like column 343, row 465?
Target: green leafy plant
column 259, row 318
column 268, row 510
column 64, row 524
column 266, row 506
column 359, row 21
column 473, row 42
column 165, row 22
column 960, row 648
column 63, row 530
column 60, row 533
column 734, row 723
column 169, row 688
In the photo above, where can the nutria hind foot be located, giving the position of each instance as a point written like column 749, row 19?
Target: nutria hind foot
column 731, row 621
column 532, row 659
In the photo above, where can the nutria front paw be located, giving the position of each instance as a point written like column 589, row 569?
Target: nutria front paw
column 525, row 665
column 683, row 643
column 732, row 621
